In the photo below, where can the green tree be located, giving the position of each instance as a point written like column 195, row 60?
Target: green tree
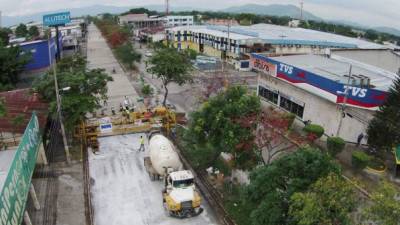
column 223, row 125
column 127, row 54
column 12, row 63
column 21, row 30
column 272, row 186
column 140, row 11
column 33, row 31
column 384, row 129
column 5, row 36
column 170, row 66
column 147, row 90
column 87, row 90
column 371, row 35
column 17, row 121
column 385, row 207
column 3, row 110
column 329, row 201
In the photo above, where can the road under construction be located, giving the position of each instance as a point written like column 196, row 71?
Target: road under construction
column 118, row 188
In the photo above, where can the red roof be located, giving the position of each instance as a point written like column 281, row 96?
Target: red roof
column 22, row 102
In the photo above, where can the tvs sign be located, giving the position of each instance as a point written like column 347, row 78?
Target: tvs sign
column 263, row 66
column 56, row 19
column 324, row 87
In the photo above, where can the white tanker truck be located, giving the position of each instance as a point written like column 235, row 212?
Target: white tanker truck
column 180, row 197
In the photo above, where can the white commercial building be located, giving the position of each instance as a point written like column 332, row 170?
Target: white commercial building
column 271, row 38
column 174, row 21
column 237, row 42
column 319, row 89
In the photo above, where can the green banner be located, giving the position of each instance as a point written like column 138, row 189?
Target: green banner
column 16, row 186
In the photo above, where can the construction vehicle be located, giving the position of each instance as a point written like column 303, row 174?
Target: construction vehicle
column 180, row 197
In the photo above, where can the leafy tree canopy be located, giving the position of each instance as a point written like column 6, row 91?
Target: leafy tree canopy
column 3, row 110
column 141, row 11
column 272, row 186
column 215, row 128
column 87, row 89
column 21, row 30
column 328, row 202
column 33, row 31
column 385, row 207
column 169, row 66
column 4, row 36
column 384, row 130
column 12, row 63
column 127, row 54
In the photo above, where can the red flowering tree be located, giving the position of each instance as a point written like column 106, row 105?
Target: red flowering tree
column 270, row 135
column 116, row 39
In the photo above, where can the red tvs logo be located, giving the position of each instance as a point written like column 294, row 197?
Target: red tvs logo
column 264, row 66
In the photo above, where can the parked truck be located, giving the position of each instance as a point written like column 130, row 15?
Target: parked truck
column 180, row 197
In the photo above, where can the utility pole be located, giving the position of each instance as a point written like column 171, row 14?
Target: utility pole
column 166, row 7
column 58, row 100
column 346, row 93
column 224, row 60
column 301, row 10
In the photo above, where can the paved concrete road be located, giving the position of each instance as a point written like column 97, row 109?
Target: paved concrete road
column 99, row 55
column 187, row 97
column 122, row 192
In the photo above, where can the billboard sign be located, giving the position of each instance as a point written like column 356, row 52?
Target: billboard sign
column 16, row 186
column 331, row 90
column 56, row 19
column 263, row 66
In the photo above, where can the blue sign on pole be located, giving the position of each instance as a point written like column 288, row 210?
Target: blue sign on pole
column 56, row 19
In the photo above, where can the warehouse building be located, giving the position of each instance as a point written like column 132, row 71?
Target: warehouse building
column 237, row 42
column 41, row 56
column 324, row 90
column 140, row 21
column 174, row 21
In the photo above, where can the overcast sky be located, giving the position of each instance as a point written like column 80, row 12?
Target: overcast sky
column 366, row 12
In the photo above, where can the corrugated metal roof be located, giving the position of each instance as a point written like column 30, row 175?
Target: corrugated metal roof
column 289, row 35
column 22, row 102
column 281, row 35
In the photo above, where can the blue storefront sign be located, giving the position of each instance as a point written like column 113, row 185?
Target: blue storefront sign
column 56, row 19
column 329, row 89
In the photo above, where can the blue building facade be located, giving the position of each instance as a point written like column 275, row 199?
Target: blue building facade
column 39, row 51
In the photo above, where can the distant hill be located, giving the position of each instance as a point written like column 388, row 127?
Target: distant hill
column 388, row 30
column 273, row 10
column 348, row 23
column 75, row 12
column 90, row 10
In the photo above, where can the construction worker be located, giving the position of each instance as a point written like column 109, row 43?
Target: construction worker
column 141, row 144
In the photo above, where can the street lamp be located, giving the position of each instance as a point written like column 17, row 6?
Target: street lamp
column 66, row 89
column 58, row 98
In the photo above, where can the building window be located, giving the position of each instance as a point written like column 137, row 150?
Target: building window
column 269, row 95
column 296, row 108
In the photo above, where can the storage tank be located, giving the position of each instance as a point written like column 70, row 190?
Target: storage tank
column 163, row 154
